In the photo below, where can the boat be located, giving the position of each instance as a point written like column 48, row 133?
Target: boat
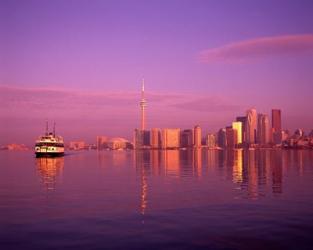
column 49, row 145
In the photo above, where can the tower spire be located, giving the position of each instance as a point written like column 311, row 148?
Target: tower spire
column 143, row 104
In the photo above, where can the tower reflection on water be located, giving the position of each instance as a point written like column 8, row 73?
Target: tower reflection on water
column 49, row 169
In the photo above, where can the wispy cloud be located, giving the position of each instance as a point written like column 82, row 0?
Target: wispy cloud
column 64, row 102
column 247, row 50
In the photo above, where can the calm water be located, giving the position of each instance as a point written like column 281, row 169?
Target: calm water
column 157, row 200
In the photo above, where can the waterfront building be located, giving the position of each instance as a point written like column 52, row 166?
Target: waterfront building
column 231, row 137
column 141, row 139
column 77, row 145
column 118, row 143
column 170, row 138
column 251, row 126
column 197, row 136
column 299, row 132
column 211, row 141
column 155, row 138
column 186, row 138
column 284, row 135
column 243, row 120
column 102, row 142
column 238, row 127
column 221, row 138
column 276, row 125
column 263, row 130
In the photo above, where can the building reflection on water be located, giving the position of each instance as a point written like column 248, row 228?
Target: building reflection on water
column 49, row 169
column 251, row 171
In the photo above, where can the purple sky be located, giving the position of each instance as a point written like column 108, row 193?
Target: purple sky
column 80, row 63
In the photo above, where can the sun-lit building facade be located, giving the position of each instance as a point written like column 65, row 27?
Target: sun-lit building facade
column 238, row 127
column 263, row 130
column 170, row 138
column 251, row 126
column 197, row 136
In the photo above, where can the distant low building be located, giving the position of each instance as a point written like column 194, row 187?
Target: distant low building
column 102, row 142
column 77, row 145
column 119, row 143
column 15, row 147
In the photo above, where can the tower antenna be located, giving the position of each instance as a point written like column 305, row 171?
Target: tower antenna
column 143, row 104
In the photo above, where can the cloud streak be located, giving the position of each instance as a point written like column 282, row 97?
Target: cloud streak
column 85, row 114
column 18, row 100
column 252, row 49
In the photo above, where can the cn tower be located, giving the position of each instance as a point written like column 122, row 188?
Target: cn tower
column 143, row 104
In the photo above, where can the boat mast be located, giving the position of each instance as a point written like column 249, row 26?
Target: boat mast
column 47, row 127
column 54, row 129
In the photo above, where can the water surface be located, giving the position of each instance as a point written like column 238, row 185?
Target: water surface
column 201, row 199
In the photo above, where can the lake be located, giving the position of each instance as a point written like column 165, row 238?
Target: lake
column 150, row 199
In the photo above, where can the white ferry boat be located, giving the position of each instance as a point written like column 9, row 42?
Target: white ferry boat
column 49, row 145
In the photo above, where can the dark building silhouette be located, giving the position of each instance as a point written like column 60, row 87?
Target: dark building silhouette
column 276, row 125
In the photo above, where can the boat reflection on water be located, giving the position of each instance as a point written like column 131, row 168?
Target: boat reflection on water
column 49, row 168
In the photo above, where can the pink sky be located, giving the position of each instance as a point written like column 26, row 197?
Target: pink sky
column 80, row 64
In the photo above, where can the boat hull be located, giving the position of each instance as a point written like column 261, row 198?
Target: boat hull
column 49, row 154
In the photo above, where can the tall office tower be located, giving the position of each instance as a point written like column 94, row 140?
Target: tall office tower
column 251, row 126
column 238, row 127
column 221, row 138
column 276, row 125
column 263, row 130
column 102, row 142
column 186, row 138
column 231, row 137
column 197, row 136
column 143, row 104
column 211, row 141
column 170, row 138
column 155, row 138
column 243, row 120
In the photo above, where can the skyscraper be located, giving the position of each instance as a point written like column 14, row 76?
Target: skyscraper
column 263, row 131
column 170, row 138
column 221, row 138
column 186, row 138
column 251, row 126
column 276, row 125
column 238, row 127
column 243, row 120
column 197, row 136
column 155, row 138
column 231, row 137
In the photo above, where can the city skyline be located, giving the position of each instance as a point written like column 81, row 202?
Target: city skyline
column 80, row 65
column 139, row 117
